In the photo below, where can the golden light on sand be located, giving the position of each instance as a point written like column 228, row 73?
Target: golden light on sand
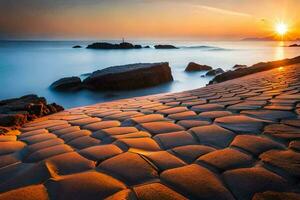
column 281, row 29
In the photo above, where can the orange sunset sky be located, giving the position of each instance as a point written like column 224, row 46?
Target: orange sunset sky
column 111, row 19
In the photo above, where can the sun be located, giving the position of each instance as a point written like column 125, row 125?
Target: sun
column 281, row 28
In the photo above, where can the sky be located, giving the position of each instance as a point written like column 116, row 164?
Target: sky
column 134, row 19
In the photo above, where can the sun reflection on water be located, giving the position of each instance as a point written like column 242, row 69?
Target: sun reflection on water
column 279, row 51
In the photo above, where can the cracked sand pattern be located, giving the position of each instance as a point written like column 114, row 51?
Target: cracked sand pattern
column 235, row 140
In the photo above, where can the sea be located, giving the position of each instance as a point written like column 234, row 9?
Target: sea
column 29, row 67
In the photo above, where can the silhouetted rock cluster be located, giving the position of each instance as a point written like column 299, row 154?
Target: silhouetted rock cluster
column 294, row 45
column 106, row 45
column 17, row 111
column 259, row 67
column 125, row 77
column 77, row 47
column 165, row 46
column 192, row 67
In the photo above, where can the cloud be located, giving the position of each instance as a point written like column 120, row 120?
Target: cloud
column 223, row 11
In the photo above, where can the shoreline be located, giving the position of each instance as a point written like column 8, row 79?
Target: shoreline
column 162, row 141
column 226, row 76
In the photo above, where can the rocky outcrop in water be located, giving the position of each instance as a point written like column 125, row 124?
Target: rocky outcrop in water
column 294, row 45
column 68, row 83
column 124, row 77
column 193, row 67
column 128, row 77
column 15, row 112
column 165, row 46
column 215, row 72
column 77, row 47
column 259, row 67
column 106, row 45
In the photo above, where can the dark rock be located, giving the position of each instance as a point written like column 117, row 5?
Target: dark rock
column 3, row 130
column 259, row 67
column 129, row 77
column 15, row 112
column 68, row 83
column 77, row 47
column 8, row 120
column 239, row 66
column 105, row 45
column 294, row 45
column 147, row 47
column 215, row 72
column 196, row 67
column 138, row 46
column 165, row 46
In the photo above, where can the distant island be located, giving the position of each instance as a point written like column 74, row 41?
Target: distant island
column 106, row 45
column 267, row 39
column 123, row 45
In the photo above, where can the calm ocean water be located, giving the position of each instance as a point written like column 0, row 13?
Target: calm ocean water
column 31, row 66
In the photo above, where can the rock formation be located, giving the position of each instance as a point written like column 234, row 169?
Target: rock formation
column 77, row 47
column 259, row 67
column 15, row 112
column 165, row 46
column 129, row 77
column 105, row 45
column 237, row 66
column 294, row 45
column 215, row 72
column 192, row 67
column 124, row 77
column 68, row 83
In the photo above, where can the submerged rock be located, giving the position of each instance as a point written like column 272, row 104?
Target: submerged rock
column 15, row 112
column 215, row 72
column 77, row 47
column 68, row 83
column 129, row 77
column 192, row 67
column 106, row 45
column 165, row 46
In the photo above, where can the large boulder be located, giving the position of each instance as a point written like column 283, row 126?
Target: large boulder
column 192, row 67
column 215, row 72
column 165, row 46
column 68, row 83
column 128, row 77
column 15, row 112
column 106, row 45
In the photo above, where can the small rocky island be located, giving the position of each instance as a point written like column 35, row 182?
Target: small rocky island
column 106, row 45
column 294, row 45
column 125, row 77
column 15, row 112
column 165, row 46
column 77, row 47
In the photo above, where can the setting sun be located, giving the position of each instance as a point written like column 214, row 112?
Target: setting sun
column 281, row 28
